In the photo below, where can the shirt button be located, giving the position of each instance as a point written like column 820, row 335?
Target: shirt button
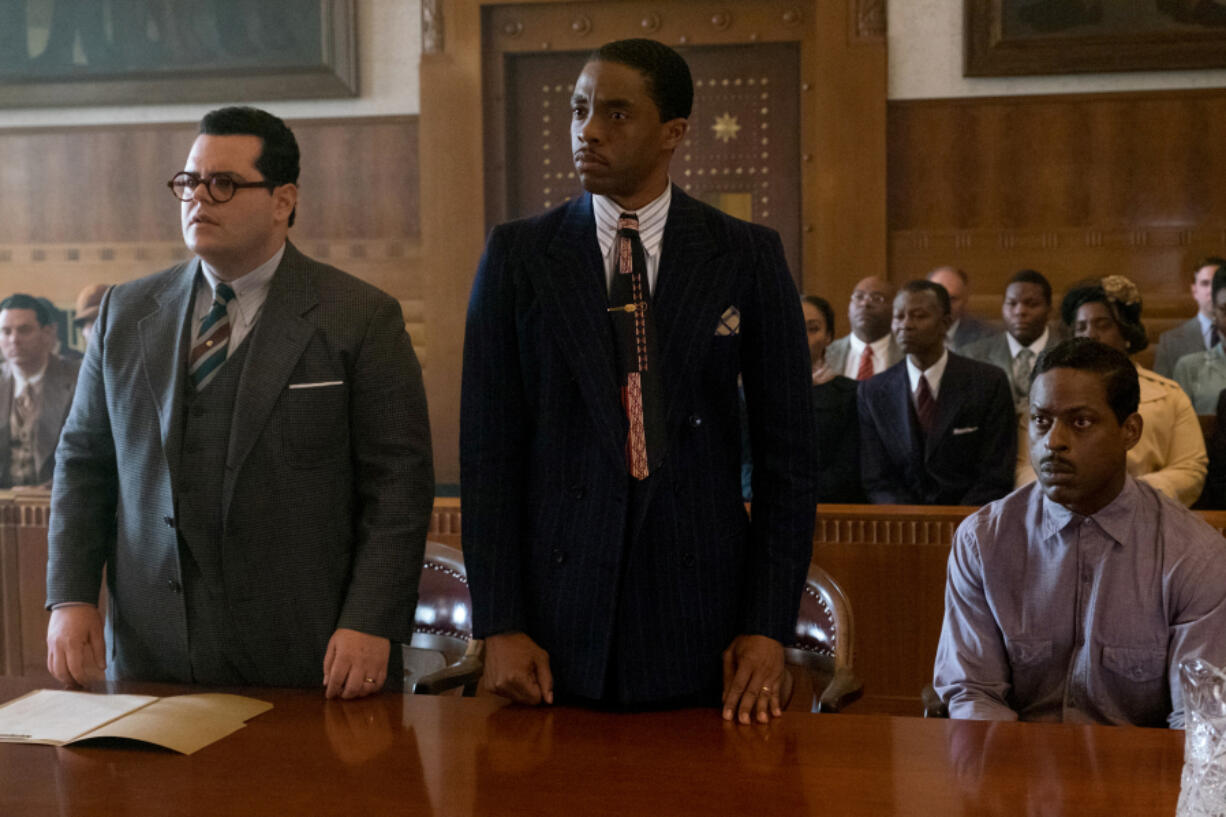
column 695, row 421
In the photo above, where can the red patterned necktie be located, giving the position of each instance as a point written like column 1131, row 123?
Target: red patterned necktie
column 866, row 364
column 634, row 334
column 925, row 405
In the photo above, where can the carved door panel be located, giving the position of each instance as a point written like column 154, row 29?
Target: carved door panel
column 742, row 153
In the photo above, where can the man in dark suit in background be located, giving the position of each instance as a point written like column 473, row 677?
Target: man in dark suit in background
column 966, row 329
column 248, row 453
column 608, row 550
column 1196, row 334
column 35, row 391
column 938, row 428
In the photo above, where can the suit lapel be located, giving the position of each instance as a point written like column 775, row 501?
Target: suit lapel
column 949, row 403
column 276, row 342
column 692, row 292
column 161, row 335
column 572, row 284
column 907, row 425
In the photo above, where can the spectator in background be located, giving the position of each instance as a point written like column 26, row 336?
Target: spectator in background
column 870, row 348
column 1197, row 334
column 1202, row 375
column 1026, row 310
column 834, row 412
column 1170, row 454
column 938, row 428
column 88, row 301
column 966, row 329
column 36, row 388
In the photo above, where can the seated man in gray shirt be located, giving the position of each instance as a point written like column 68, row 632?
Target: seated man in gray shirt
column 1075, row 597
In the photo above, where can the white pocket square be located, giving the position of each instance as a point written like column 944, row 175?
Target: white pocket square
column 318, row 385
column 966, row 430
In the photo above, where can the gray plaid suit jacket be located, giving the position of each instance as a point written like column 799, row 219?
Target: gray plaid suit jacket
column 326, row 495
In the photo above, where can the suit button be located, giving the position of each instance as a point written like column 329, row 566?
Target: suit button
column 174, row 586
column 559, row 556
column 576, row 491
column 695, row 421
column 169, row 520
column 687, row 559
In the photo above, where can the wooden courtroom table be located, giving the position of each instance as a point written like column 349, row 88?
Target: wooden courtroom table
column 418, row 755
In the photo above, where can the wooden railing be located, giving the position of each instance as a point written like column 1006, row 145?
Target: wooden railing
column 890, row 559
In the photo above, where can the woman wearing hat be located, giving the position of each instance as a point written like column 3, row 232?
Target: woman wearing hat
column 1170, row 455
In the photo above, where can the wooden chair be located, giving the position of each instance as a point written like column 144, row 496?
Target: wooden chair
column 443, row 654
column 824, row 644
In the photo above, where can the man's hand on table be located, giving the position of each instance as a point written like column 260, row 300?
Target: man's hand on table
column 76, row 649
column 517, row 668
column 755, row 679
column 355, row 664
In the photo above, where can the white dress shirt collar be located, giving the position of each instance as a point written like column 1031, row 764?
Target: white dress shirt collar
column 933, row 374
column 652, row 218
column 20, row 381
column 250, row 292
column 1015, row 346
column 881, row 354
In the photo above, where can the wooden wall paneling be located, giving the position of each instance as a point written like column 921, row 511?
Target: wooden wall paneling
column 1073, row 185
column 10, row 596
column 86, row 205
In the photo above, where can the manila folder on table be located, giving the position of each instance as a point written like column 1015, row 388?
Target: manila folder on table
column 183, row 723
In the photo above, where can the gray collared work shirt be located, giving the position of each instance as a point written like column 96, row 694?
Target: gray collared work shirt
column 1053, row 616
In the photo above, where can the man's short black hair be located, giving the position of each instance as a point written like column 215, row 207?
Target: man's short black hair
column 1113, row 366
column 823, row 306
column 1209, row 261
column 668, row 76
column 924, row 285
column 1030, row 276
column 1219, row 281
column 278, row 160
column 22, row 301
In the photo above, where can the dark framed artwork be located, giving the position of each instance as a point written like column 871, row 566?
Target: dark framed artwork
column 1015, row 37
column 104, row 52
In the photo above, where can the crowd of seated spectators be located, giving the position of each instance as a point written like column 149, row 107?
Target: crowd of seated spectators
column 909, row 409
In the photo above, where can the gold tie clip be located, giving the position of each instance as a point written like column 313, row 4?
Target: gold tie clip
column 630, row 307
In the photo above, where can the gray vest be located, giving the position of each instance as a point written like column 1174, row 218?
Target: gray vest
column 212, row 646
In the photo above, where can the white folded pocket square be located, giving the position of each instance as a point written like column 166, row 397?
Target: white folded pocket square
column 729, row 322
column 967, row 430
column 318, row 385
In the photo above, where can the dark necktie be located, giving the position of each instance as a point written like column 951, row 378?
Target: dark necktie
column 925, row 405
column 209, row 350
column 634, row 335
column 1214, row 338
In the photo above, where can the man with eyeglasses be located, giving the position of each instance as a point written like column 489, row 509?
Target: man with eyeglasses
column 870, row 348
column 248, row 454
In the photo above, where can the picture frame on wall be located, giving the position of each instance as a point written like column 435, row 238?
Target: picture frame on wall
column 56, row 53
column 1026, row 37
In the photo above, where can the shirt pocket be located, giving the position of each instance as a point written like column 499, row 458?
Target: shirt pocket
column 315, row 424
column 1137, row 664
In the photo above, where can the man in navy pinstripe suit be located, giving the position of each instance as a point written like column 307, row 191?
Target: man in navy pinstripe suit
column 590, row 578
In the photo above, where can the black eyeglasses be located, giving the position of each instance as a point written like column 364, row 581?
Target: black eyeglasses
column 222, row 186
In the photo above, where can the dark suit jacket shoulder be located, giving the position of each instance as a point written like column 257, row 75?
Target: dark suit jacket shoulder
column 558, row 542
column 968, row 459
column 1184, row 339
column 838, row 441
